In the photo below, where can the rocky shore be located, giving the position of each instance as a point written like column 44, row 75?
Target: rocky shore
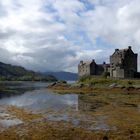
column 89, row 88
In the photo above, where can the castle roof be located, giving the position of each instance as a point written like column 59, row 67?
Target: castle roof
column 87, row 62
column 122, row 51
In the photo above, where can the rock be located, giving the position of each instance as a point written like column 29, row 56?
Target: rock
column 105, row 138
column 130, row 105
column 51, row 85
column 130, row 88
column 81, row 85
column 113, row 85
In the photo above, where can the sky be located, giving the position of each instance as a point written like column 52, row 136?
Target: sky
column 54, row 35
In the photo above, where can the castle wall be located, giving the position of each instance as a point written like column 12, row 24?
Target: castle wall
column 93, row 68
column 123, row 64
column 130, row 63
column 118, row 73
column 83, row 70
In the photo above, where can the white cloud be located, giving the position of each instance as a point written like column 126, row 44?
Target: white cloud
column 57, row 34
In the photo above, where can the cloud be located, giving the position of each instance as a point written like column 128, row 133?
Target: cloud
column 55, row 35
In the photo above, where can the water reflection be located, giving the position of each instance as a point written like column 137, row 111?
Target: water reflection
column 89, row 103
column 57, row 107
column 8, row 89
column 6, row 119
column 70, row 107
column 42, row 99
column 10, row 122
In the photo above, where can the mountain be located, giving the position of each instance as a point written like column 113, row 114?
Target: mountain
column 62, row 75
column 18, row 73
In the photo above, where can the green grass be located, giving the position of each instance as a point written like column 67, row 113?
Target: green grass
column 99, row 80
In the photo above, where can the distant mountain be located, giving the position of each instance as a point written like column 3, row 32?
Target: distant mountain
column 62, row 75
column 18, row 73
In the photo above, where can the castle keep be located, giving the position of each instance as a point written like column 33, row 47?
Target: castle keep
column 123, row 64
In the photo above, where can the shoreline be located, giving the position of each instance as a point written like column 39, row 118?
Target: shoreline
column 67, row 88
column 118, row 110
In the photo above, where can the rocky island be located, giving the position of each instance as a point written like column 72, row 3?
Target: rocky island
column 120, row 75
column 97, row 85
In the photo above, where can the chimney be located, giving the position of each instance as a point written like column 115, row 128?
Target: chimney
column 81, row 62
column 129, row 47
column 104, row 63
column 116, row 50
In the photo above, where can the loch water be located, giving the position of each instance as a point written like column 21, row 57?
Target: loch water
column 81, row 110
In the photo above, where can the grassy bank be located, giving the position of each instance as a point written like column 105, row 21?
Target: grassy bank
column 98, row 84
column 102, row 81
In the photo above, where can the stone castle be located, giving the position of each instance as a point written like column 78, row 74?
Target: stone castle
column 123, row 64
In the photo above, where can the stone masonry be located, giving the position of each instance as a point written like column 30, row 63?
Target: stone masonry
column 123, row 64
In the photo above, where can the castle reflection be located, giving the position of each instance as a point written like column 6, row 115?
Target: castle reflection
column 89, row 103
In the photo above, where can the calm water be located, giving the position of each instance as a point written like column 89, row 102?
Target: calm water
column 78, row 110
column 37, row 97
column 54, row 106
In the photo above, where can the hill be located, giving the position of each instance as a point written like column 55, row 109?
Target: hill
column 18, row 73
column 62, row 75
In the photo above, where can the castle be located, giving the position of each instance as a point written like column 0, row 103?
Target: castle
column 123, row 64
